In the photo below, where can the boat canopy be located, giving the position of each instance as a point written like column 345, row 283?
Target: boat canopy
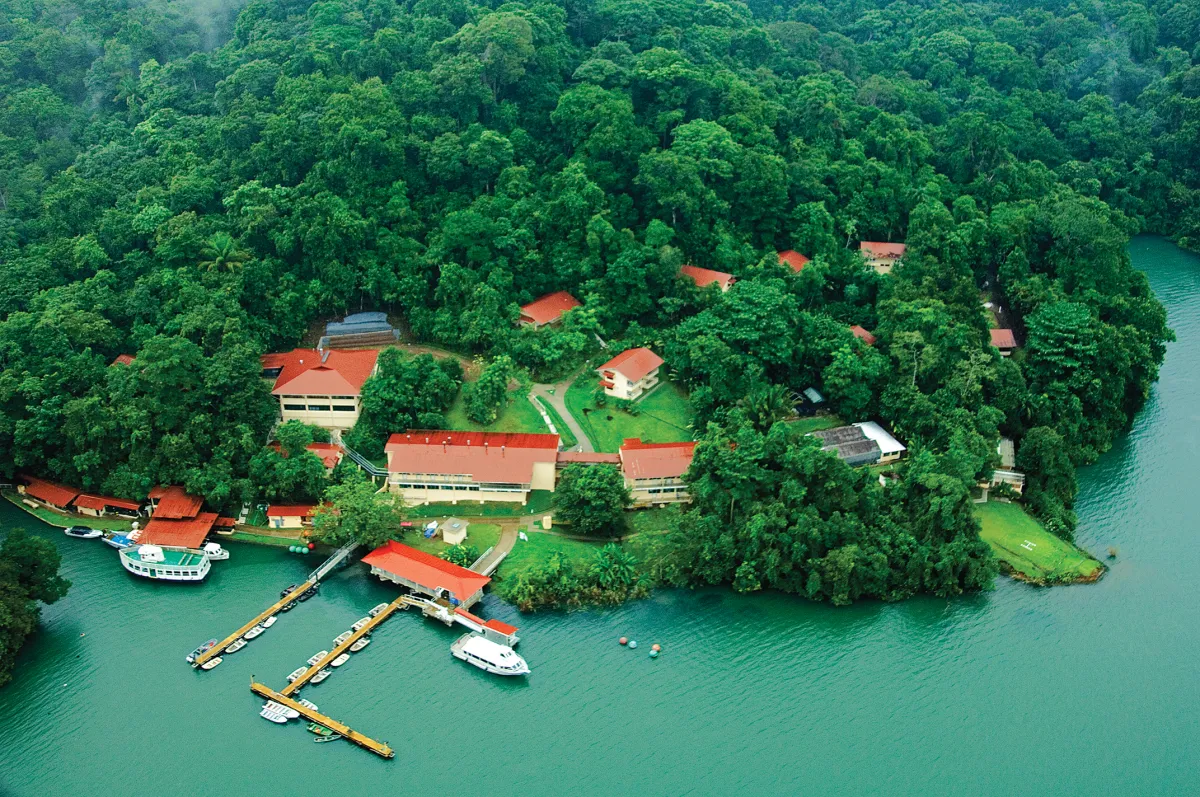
column 151, row 553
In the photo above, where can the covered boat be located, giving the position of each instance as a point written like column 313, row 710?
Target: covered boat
column 488, row 655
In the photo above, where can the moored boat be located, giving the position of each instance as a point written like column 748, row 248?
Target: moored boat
column 83, row 533
column 207, row 646
column 340, row 660
column 308, row 704
column 488, row 655
column 288, row 590
column 270, row 621
column 321, row 676
column 340, row 638
column 376, row 611
column 287, row 607
column 332, row 737
column 253, row 632
column 317, row 657
column 237, row 645
column 119, row 541
column 358, row 626
column 360, row 644
column 213, row 662
column 274, row 716
column 296, row 673
column 215, row 552
column 165, row 563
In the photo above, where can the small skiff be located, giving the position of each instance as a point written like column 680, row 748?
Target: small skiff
column 213, row 662
column 376, row 611
column 273, row 716
column 253, row 632
column 236, row 646
column 340, row 660
column 321, row 676
column 360, row 644
column 358, row 626
column 297, row 673
column 308, row 704
column 270, row 621
column 317, row 657
column 342, row 638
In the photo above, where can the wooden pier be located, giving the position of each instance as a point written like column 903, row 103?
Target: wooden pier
column 366, row 742
column 297, row 684
column 273, row 609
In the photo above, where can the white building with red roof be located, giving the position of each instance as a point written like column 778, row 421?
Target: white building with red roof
column 654, row 471
column 703, row 277
column 290, row 516
column 436, row 466
column 49, row 493
column 427, row 574
column 1004, row 340
column 881, row 255
column 322, row 388
column 547, row 310
column 630, row 374
column 176, row 519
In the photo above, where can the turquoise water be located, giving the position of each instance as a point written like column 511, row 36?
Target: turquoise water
column 1078, row 690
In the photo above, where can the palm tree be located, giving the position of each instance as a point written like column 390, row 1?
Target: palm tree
column 767, row 405
column 616, row 567
column 221, row 253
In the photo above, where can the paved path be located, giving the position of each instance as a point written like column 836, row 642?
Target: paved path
column 508, row 538
column 555, row 399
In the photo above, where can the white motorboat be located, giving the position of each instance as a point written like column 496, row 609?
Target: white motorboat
column 360, row 644
column 119, row 541
column 488, row 655
column 236, row 646
column 215, row 552
column 297, row 673
column 340, row 660
column 83, row 533
column 279, row 708
column 321, row 676
column 375, row 612
column 274, row 716
column 308, row 704
column 253, row 632
column 165, row 563
column 317, row 657
column 342, row 638
column 195, row 654
column 213, row 662
column 358, row 626
column 270, row 621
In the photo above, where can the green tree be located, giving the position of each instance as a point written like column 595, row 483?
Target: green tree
column 591, row 498
column 28, row 576
column 355, row 512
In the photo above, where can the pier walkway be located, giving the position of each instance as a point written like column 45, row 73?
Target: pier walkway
column 297, row 684
column 366, row 742
column 491, row 559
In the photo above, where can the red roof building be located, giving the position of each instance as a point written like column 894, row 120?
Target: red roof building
column 548, row 310
column 437, row 465
column 654, row 471
column 1004, row 340
column 330, row 454
column 122, row 359
column 290, row 516
column 863, row 335
column 173, row 503
column 703, row 277
column 881, row 255
column 186, row 533
column 97, row 505
column 426, row 573
column 322, row 388
column 630, row 374
column 793, row 260
column 56, row 495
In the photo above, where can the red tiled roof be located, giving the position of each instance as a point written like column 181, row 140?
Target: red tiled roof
column 881, row 249
column 426, row 569
column 1003, row 338
column 502, row 627
column 342, row 373
column 655, row 460
column 98, row 502
column 484, row 456
column 633, row 363
column 290, row 510
column 329, row 453
column 50, row 492
column 567, row 457
column 703, row 277
column 226, row 522
column 189, row 533
column 863, row 335
column 174, row 503
column 793, row 259
column 122, row 359
column 549, row 308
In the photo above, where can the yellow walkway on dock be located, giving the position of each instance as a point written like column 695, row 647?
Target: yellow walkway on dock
column 378, row 748
column 229, row 640
column 295, row 685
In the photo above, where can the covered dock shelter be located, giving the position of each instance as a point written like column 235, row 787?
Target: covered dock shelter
column 425, row 573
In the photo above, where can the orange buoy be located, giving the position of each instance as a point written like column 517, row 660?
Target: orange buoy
column 656, row 647
column 624, row 640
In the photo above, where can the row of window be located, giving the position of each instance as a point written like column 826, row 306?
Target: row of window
column 319, row 408
column 663, row 490
column 472, row 488
column 161, row 571
column 310, row 398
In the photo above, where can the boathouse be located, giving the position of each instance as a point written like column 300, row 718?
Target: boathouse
column 51, row 494
column 441, row 466
column 426, row 574
column 176, row 519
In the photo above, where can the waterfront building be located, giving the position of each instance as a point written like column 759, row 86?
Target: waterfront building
column 442, row 466
column 426, row 574
column 290, row 516
column 176, row 519
column 630, row 374
column 104, row 505
column 51, row 494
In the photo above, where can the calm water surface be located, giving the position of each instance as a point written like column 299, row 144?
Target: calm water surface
column 1081, row 690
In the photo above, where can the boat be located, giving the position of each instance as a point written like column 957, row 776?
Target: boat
column 308, row 593
column 319, row 729
column 253, row 632
column 296, row 673
column 321, row 676
column 340, row 660
column 83, row 533
column 215, row 552
column 488, row 655
column 288, row 591
column 359, row 625
column 308, row 704
column 236, row 646
column 280, row 708
column 287, row 607
column 317, row 657
column 340, row 638
column 333, row 737
column 213, row 662
column 360, row 644
column 119, row 541
column 270, row 621
column 377, row 610
column 273, row 716
column 207, row 646
column 165, row 563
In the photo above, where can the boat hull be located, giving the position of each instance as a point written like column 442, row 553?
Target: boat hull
column 165, row 571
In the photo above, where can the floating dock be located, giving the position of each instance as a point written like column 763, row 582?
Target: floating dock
column 378, row 748
column 296, row 685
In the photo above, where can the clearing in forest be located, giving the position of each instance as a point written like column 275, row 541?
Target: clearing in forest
column 663, row 416
column 1033, row 553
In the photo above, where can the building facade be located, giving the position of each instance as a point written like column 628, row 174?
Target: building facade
column 654, row 471
column 322, row 388
column 437, row 466
column 630, row 374
column 881, row 255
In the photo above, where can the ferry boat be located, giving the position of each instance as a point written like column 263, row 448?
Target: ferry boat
column 195, row 654
column 215, row 552
column 321, row 676
column 83, row 533
column 488, row 655
column 165, row 563
column 360, row 644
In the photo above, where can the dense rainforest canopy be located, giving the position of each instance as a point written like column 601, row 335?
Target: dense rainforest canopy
column 193, row 184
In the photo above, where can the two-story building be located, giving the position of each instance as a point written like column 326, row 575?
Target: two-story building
column 427, row 466
column 630, row 374
column 322, row 388
column 654, row 471
column 881, row 255
column 549, row 309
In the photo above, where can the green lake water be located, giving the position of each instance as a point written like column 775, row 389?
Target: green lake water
column 1080, row 690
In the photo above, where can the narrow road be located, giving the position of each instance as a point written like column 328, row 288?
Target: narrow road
column 556, row 400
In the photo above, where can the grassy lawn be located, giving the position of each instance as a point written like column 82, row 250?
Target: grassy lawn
column 539, row 503
column 1012, row 533
column 519, row 415
column 542, row 546
column 65, row 521
column 816, row 423
column 564, row 431
column 665, row 416
column 263, row 539
column 480, row 535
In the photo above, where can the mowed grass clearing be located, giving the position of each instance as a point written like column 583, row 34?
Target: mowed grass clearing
column 518, row 415
column 1031, row 551
column 480, row 535
column 664, row 416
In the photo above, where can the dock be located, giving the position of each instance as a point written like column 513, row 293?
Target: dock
column 378, row 748
column 296, row 685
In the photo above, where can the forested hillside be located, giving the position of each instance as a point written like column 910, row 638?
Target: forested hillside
column 193, row 185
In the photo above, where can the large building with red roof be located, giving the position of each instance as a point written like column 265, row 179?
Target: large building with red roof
column 547, row 310
column 49, row 493
column 176, row 519
column 630, row 374
column 322, row 388
column 703, row 277
column 654, row 471
column 427, row 574
column 100, row 505
column 881, row 255
column 440, row 466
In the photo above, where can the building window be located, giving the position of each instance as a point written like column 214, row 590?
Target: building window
column 343, row 398
column 318, row 408
column 343, row 408
column 294, row 407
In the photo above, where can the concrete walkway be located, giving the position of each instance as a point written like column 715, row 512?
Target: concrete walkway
column 556, row 400
column 508, row 538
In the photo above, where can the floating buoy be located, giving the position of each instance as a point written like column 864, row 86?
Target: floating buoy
column 656, row 647
column 632, row 644
column 623, row 640
column 312, row 546
column 654, row 654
